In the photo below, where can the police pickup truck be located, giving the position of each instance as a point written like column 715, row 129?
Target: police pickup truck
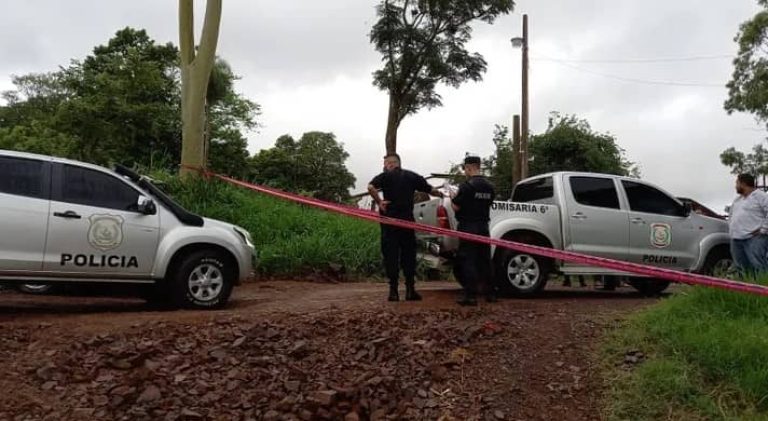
column 64, row 221
column 596, row 214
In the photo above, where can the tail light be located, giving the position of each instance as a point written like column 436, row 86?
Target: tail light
column 442, row 218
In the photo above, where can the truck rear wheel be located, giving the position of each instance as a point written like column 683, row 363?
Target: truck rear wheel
column 649, row 286
column 203, row 280
column 521, row 274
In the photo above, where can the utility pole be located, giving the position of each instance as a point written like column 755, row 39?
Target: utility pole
column 517, row 153
column 524, row 127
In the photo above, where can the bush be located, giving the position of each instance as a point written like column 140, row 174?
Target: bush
column 291, row 239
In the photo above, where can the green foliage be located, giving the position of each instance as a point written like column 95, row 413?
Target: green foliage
column 122, row 104
column 423, row 44
column 313, row 165
column 501, row 164
column 755, row 163
column 229, row 116
column 570, row 144
column 291, row 239
column 707, row 350
column 748, row 87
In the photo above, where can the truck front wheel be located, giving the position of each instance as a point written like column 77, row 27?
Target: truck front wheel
column 521, row 274
column 203, row 280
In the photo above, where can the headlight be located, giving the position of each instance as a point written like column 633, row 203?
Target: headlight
column 245, row 235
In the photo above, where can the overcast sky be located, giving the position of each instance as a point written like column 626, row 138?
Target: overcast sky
column 309, row 63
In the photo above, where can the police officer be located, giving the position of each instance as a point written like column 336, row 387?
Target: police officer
column 472, row 205
column 398, row 245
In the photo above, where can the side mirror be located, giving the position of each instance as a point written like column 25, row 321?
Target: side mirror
column 147, row 206
column 687, row 209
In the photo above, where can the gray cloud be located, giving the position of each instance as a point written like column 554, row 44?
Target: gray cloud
column 309, row 64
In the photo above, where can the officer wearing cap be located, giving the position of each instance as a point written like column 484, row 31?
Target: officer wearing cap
column 398, row 245
column 472, row 205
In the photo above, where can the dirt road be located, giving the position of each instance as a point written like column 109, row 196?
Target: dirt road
column 293, row 350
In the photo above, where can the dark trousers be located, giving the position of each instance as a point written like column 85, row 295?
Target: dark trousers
column 398, row 246
column 473, row 260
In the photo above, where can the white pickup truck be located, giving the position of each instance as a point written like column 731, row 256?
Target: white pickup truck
column 64, row 221
column 596, row 214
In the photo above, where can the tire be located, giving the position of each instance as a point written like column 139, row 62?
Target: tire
column 720, row 264
column 521, row 274
column 649, row 287
column 203, row 280
column 36, row 289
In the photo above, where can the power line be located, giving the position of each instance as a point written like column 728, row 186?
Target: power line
column 642, row 81
column 640, row 60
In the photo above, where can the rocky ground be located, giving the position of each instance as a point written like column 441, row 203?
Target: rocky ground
column 305, row 351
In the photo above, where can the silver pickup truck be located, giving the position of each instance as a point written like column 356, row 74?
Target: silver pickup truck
column 596, row 214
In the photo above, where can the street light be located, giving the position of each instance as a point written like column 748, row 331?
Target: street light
column 522, row 42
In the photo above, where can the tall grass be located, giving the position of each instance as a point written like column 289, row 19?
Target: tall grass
column 291, row 239
column 708, row 358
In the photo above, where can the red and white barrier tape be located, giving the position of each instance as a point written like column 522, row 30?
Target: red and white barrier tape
column 650, row 271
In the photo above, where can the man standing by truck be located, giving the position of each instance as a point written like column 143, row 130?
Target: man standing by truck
column 472, row 205
column 749, row 227
column 398, row 245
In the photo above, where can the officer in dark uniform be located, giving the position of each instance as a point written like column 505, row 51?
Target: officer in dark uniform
column 398, row 245
column 472, row 205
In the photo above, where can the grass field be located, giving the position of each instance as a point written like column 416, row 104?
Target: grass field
column 706, row 358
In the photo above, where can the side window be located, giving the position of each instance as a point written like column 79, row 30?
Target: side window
column 93, row 188
column 597, row 192
column 22, row 177
column 643, row 198
column 532, row 191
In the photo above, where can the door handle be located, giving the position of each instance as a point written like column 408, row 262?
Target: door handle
column 579, row 215
column 68, row 214
column 638, row 221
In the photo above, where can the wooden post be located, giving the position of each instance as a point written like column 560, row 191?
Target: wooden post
column 517, row 163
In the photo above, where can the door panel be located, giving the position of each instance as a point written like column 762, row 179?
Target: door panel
column 598, row 225
column 94, row 228
column 660, row 232
column 24, row 193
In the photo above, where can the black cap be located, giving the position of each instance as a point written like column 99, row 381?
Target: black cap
column 471, row 159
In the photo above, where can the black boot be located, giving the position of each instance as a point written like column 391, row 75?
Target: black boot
column 410, row 293
column 393, row 295
column 467, row 300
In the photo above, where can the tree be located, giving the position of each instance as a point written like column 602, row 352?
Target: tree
column 195, row 71
column 501, row 163
column 748, row 87
column 122, row 104
column 423, row 44
column 755, row 163
column 228, row 115
column 313, row 165
column 570, row 144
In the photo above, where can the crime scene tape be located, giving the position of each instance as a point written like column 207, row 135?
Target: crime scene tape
column 634, row 268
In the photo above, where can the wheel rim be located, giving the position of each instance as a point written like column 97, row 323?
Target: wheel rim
column 36, row 287
column 523, row 272
column 724, row 268
column 205, row 282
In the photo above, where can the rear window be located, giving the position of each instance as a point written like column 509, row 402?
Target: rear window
column 22, row 177
column 534, row 191
column 594, row 191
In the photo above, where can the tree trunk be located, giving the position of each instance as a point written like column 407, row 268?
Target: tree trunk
column 393, row 123
column 195, row 72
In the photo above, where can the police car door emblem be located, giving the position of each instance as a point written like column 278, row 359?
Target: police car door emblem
column 106, row 232
column 661, row 235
